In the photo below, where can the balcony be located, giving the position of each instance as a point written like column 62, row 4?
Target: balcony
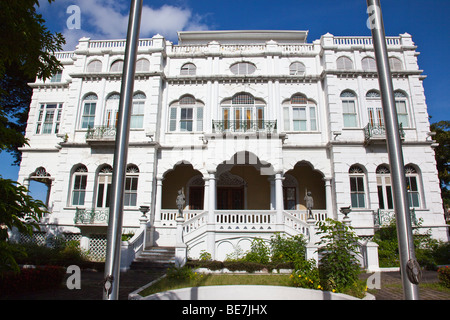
column 91, row 217
column 377, row 133
column 101, row 134
column 244, row 126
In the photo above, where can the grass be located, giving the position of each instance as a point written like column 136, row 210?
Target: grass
column 166, row 283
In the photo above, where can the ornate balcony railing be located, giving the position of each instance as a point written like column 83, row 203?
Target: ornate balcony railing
column 384, row 217
column 91, row 216
column 101, row 133
column 378, row 132
column 222, row 126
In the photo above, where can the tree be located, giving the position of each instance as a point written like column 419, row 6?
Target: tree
column 26, row 51
column 442, row 153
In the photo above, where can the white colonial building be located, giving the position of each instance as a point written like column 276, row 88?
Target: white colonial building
column 246, row 122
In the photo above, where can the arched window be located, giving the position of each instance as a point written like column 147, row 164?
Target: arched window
column 369, row 64
column 344, row 63
column 401, row 103
column 131, row 185
column 188, row 69
column 243, row 113
column 384, row 187
column 299, row 114
column 137, row 112
column 186, row 114
column 88, row 115
column 94, row 66
column 117, row 66
column 297, row 69
column 112, row 110
column 357, row 186
column 243, row 68
column 142, row 65
column 412, row 186
column 374, row 108
column 79, row 179
column 104, row 181
column 349, row 109
column 395, row 64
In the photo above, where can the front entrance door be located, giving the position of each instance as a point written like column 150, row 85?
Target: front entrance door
column 230, row 198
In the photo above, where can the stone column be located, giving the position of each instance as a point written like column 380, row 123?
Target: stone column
column 311, row 247
column 180, row 246
column 279, row 197
column 329, row 199
column 211, row 226
column 158, row 201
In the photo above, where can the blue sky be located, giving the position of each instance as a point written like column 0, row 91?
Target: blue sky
column 426, row 21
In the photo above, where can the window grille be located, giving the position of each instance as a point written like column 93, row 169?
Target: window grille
column 297, row 69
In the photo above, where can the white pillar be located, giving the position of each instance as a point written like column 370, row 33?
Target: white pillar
column 158, row 202
column 180, row 247
column 206, row 194
column 211, row 227
column 272, row 193
column 329, row 199
column 279, row 196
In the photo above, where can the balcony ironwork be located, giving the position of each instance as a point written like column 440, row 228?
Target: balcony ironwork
column 266, row 126
column 101, row 133
column 384, row 217
column 91, row 216
column 378, row 132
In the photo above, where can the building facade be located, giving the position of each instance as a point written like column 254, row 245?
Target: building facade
column 245, row 123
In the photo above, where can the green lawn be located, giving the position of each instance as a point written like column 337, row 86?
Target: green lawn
column 166, row 284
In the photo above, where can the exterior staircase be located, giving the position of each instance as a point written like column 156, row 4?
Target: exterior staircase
column 154, row 257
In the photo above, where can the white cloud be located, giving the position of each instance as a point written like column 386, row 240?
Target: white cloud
column 108, row 19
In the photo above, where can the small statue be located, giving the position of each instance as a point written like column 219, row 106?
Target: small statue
column 309, row 203
column 180, row 202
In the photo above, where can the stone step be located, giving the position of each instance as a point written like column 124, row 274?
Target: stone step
column 155, row 257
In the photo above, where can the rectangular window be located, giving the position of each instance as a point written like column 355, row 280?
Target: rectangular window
column 130, row 194
column 49, row 118
column 199, row 119
column 286, row 119
column 312, row 119
column 357, row 192
column 299, row 119
column 79, row 190
column 413, row 192
column 349, row 113
column 88, row 118
column 137, row 115
column 402, row 113
column 56, row 77
column 173, row 119
column 186, row 119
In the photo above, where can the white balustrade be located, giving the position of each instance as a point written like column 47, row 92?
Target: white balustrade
column 245, row 217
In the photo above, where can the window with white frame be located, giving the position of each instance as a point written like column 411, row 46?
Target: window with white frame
column 131, row 185
column 243, row 68
column 88, row 114
column 344, row 63
column 412, row 186
column 357, row 186
column 374, row 108
column 395, row 64
column 49, row 118
column 104, row 181
column 384, row 188
column 186, row 115
column 299, row 114
column 369, row 64
column 188, row 69
column 137, row 112
column 117, row 66
column 242, row 112
column 349, row 109
column 112, row 110
column 142, row 65
column 297, row 69
column 94, row 66
column 401, row 104
column 56, row 77
column 79, row 179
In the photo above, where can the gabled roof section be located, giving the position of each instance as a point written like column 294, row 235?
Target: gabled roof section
column 242, row 36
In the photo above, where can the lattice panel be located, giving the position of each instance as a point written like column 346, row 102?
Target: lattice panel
column 97, row 247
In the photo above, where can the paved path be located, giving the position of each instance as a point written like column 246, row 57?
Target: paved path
column 91, row 287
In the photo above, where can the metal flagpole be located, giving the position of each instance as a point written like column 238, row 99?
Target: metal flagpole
column 409, row 268
column 112, row 265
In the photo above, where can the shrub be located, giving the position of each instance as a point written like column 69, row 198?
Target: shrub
column 444, row 276
column 205, row 256
column 306, row 275
column 287, row 249
column 338, row 266
column 259, row 252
